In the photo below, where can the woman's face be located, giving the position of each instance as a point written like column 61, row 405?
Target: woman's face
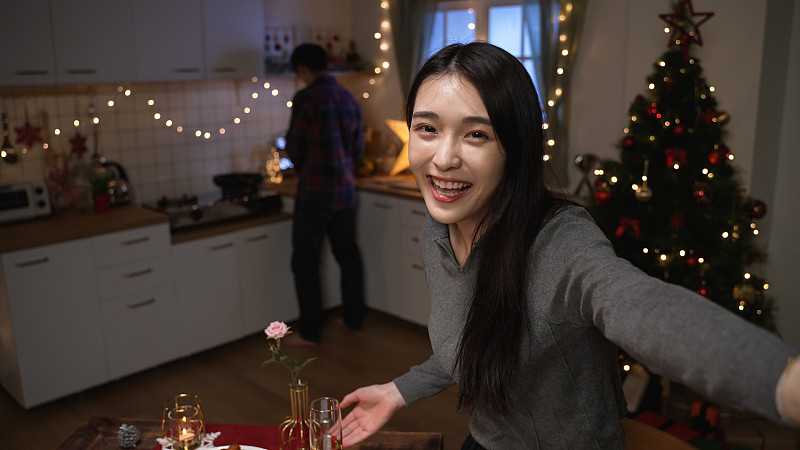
column 453, row 151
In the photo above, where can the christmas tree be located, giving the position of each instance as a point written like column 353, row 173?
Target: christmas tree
column 672, row 204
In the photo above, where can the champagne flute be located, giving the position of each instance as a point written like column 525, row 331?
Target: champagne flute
column 325, row 424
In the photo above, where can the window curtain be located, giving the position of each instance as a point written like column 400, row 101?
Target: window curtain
column 412, row 25
column 555, row 26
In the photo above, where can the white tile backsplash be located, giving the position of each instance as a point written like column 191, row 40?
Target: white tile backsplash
column 158, row 159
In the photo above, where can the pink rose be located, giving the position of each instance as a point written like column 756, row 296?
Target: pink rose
column 276, row 330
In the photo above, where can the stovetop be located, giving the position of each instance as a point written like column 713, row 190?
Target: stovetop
column 188, row 211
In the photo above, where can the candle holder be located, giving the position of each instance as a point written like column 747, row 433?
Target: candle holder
column 182, row 424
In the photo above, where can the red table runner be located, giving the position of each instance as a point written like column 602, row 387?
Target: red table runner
column 255, row 435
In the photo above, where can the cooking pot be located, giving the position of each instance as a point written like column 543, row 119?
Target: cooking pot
column 118, row 187
column 238, row 184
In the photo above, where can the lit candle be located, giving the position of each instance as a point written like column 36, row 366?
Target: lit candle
column 187, row 436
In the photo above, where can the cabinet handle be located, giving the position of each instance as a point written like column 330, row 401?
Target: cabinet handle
column 33, row 262
column 82, row 71
column 417, row 266
column 260, row 237
column 382, row 205
column 136, row 241
column 31, row 72
column 138, row 274
column 221, row 246
column 186, row 70
column 224, row 69
column 417, row 212
column 138, row 305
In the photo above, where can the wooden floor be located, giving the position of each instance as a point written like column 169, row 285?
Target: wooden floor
column 234, row 388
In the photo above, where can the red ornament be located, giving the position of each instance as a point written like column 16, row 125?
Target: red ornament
column 78, row 144
column 674, row 154
column 652, row 110
column 691, row 261
column 676, row 221
column 702, row 192
column 716, row 155
column 708, row 116
column 601, row 195
column 685, row 25
column 627, row 142
column 705, row 291
column 28, row 134
column 625, row 223
column 679, row 130
column 756, row 209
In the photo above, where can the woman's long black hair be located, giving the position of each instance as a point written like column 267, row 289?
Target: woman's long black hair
column 488, row 351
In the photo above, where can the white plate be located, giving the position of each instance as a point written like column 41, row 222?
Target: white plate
column 243, row 447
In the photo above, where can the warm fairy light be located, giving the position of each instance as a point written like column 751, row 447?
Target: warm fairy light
column 662, row 63
column 57, row 131
column 598, row 172
column 198, row 133
column 385, row 64
column 712, row 88
column 644, row 177
column 222, row 131
column 676, row 166
column 562, row 18
column 151, row 102
column 560, row 71
column 365, row 95
column 666, row 30
column 730, row 156
column 274, row 92
column 613, row 180
column 766, row 286
column 682, row 252
column 372, row 81
column 156, row 116
column 289, row 104
column 626, row 367
column 179, row 129
column 701, row 260
column 384, row 46
column 551, row 103
column 206, row 135
column 110, row 103
column 747, row 275
column 652, row 138
column 741, row 305
column 267, row 85
column 711, row 175
column 471, row 26
column 236, row 120
column 376, row 35
column 127, row 92
column 95, row 120
column 545, row 125
column 246, row 110
column 562, row 38
column 551, row 142
column 724, row 234
column 651, row 86
column 377, row 70
column 705, row 171
column 546, row 157
column 755, row 232
column 634, row 186
column 254, row 95
column 633, row 118
column 564, row 52
column 384, row 5
column 663, row 257
column 645, row 250
column 168, row 123
column 753, row 225
column 254, row 79
column 558, row 91
column 120, row 88
column 76, row 123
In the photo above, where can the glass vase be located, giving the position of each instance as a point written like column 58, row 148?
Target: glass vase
column 294, row 428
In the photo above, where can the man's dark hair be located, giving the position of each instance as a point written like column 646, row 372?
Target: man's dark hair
column 310, row 55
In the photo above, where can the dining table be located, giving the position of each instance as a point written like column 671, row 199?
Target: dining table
column 96, row 433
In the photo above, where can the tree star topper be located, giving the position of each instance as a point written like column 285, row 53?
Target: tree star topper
column 685, row 28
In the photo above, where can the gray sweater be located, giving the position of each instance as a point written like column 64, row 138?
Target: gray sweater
column 583, row 302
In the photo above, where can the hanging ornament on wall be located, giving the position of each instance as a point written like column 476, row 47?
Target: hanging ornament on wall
column 78, row 144
column 644, row 193
column 756, row 209
column 702, row 192
column 28, row 134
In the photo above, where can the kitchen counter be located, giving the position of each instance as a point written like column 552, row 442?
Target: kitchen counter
column 74, row 225
column 403, row 186
column 214, row 229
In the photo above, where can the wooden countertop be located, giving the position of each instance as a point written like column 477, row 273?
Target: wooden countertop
column 74, row 225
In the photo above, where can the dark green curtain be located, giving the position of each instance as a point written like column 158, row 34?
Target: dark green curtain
column 412, row 25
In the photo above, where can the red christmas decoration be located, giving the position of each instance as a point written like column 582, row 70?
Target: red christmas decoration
column 686, row 26
column 652, row 110
column 705, row 291
column 702, row 192
column 756, row 209
column 679, row 130
column 691, row 261
column 28, row 134
column 717, row 155
column 674, row 154
column 708, row 116
column 78, row 144
column 601, row 195
column 676, row 221
column 625, row 223
column 628, row 142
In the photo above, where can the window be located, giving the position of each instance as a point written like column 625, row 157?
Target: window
column 496, row 21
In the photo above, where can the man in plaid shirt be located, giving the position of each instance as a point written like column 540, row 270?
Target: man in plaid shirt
column 324, row 141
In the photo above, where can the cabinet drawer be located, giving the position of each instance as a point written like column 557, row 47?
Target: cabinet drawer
column 412, row 213
column 130, row 245
column 133, row 277
column 409, row 241
column 140, row 330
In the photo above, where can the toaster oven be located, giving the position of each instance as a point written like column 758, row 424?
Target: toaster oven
column 20, row 200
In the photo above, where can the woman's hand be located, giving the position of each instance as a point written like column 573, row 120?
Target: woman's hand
column 375, row 405
column 789, row 393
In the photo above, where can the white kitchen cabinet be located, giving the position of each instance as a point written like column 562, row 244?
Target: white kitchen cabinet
column 31, row 59
column 94, row 41
column 137, row 297
column 265, row 273
column 378, row 230
column 51, row 343
column 169, row 39
column 207, row 292
column 234, row 38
